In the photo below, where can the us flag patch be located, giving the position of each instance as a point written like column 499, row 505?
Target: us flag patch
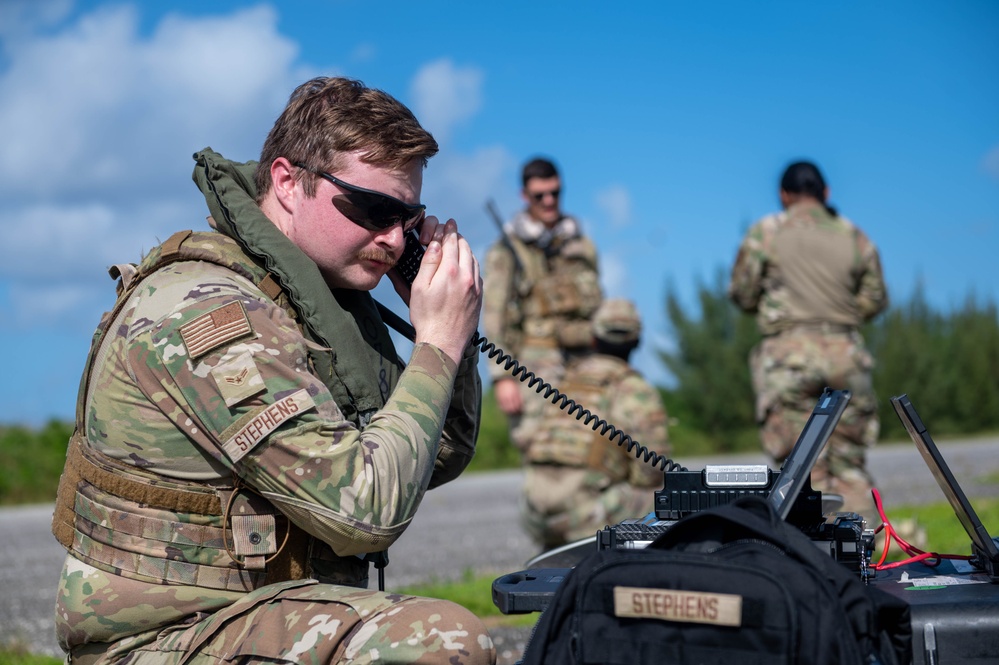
column 214, row 329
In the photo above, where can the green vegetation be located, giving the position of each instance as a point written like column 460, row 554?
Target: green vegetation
column 947, row 363
column 473, row 592
column 944, row 533
column 13, row 652
column 32, row 461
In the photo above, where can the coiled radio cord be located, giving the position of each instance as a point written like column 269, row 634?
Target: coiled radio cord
column 551, row 393
column 571, row 407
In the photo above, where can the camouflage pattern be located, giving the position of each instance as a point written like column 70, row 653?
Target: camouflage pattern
column 617, row 321
column 204, row 378
column 789, row 372
column 579, row 481
column 541, row 312
column 807, row 266
column 811, row 279
column 291, row 622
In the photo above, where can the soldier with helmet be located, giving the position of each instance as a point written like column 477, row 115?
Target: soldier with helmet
column 577, row 480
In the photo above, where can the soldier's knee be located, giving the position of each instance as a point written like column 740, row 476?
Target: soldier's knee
column 425, row 631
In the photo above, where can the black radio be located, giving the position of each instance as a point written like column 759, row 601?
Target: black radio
column 686, row 492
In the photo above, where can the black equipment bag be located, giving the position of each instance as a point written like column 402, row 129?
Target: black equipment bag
column 732, row 584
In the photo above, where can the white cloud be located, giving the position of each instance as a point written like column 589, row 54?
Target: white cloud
column 100, row 122
column 991, row 163
column 97, row 105
column 100, row 119
column 458, row 186
column 615, row 202
column 20, row 18
column 59, row 305
column 445, row 96
column 614, row 276
column 365, row 52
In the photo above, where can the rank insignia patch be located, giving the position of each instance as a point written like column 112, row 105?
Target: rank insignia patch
column 214, row 329
column 238, row 378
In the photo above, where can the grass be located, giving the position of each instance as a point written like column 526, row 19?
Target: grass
column 473, row 592
column 14, row 652
column 944, row 533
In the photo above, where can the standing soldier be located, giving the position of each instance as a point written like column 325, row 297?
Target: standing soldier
column 812, row 278
column 541, row 288
column 579, row 481
column 247, row 439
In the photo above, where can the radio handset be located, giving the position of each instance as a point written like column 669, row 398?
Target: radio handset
column 409, row 265
column 412, row 254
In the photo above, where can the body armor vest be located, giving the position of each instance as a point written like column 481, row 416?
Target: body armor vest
column 565, row 441
column 243, row 541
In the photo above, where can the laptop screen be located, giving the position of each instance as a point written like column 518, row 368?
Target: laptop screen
column 798, row 466
column 945, row 479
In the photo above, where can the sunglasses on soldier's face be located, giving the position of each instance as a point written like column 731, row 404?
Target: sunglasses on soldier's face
column 369, row 209
column 538, row 197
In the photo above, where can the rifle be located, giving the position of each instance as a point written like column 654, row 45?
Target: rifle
column 498, row 220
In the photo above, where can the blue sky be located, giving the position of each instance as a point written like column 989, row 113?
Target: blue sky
column 671, row 121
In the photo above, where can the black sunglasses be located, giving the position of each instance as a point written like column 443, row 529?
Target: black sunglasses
column 539, row 196
column 369, row 209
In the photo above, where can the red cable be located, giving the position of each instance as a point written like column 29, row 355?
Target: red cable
column 915, row 554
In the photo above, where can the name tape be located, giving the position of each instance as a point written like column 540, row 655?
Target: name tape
column 721, row 609
column 266, row 421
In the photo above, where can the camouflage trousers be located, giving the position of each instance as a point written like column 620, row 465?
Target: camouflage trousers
column 560, row 505
column 547, row 363
column 311, row 624
column 789, row 371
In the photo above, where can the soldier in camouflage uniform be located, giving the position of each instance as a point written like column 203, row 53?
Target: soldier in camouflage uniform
column 246, row 436
column 541, row 288
column 577, row 479
column 812, row 278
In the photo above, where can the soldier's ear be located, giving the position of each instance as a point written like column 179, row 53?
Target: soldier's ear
column 284, row 182
column 785, row 199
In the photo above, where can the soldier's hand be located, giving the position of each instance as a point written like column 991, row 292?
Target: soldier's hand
column 508, row 396
column 446, row 296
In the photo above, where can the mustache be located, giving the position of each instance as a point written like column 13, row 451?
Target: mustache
column 380, row 255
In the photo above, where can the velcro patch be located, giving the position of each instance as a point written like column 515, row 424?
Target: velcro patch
column 216, row 328
column 238, row 378
column 265, row 421
column 720, row 609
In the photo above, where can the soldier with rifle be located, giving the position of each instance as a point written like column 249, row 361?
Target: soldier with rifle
column 541, row 288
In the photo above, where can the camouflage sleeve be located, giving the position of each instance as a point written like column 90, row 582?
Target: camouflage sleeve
column 639, row 407
column 498, row 302
column 872, row 294
column 461, row 425
column 277, row 426
column 746, row 283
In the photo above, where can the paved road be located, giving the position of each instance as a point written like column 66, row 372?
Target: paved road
column 468, row 524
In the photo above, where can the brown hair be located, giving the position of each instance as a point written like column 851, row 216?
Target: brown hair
column 539, row 167
column 329, row 116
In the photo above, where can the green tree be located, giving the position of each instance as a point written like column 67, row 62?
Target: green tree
column 947, row 364
column 710, row 363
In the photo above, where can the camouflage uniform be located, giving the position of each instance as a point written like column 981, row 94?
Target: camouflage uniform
column 812, row 278
column 540, row 312
column 577, row 479
column 231, row 466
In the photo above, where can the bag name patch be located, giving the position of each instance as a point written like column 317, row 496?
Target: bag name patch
column 266, row 421
column 720, row 609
